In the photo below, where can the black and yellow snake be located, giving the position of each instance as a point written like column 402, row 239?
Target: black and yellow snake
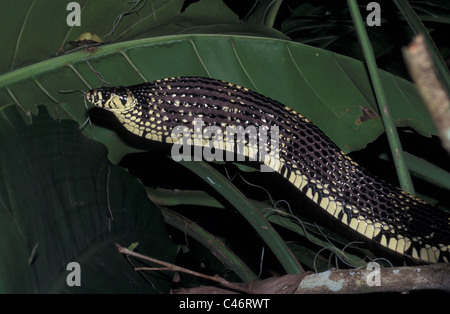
column 378, row 211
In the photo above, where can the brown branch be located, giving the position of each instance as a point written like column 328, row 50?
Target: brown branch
column 395, row 279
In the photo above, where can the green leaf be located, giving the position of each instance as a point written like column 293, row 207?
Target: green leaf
column 308, row 79
column 62, row 201
column 38, row 30
column 248, row 211
column 217, row 248
column 167, row 197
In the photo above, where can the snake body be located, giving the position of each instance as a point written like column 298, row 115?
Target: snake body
column 378, row 211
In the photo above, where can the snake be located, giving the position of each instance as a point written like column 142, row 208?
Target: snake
column 344, row 191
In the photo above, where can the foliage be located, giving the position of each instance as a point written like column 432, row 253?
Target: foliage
column 64, row 195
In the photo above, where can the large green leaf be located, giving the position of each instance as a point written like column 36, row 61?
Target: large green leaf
column 308, row 79
column 62, row 201
column 38, row 30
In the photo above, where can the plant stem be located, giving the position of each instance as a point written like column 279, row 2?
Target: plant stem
column 389, row 126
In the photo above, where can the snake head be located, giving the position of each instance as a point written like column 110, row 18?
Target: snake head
column 113, row 99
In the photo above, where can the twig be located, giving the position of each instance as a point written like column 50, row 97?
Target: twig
column 108, row 177
column 134, row 9
column 173, row 267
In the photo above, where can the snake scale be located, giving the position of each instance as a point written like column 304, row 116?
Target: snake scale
column 377, row 210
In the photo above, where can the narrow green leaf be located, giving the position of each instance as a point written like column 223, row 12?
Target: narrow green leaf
column 426, row 170
column 248, row 211
column 167, row 197
column 217, row 248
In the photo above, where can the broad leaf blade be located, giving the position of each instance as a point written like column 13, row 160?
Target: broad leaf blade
column 38, row 30
column 308, row 79
column 60, row 194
